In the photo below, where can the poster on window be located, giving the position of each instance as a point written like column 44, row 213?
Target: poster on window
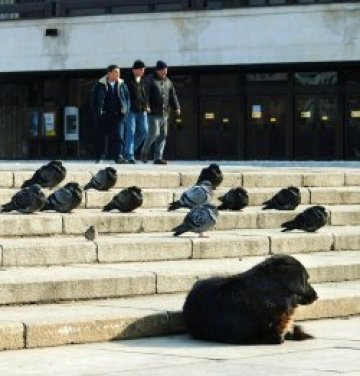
column 49, row 124
column 256, row 112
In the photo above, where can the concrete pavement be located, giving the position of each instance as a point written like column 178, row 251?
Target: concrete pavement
column 335, row 350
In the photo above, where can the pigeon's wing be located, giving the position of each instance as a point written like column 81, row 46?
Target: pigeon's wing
column 22, row 200
column 99, row 180
column 200, row 219
column 60, row 200
column 194, row 196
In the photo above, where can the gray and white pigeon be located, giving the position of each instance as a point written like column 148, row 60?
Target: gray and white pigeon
column 126, row 200
column 310, row 220
column 27, row 200
column 47, row 176
column 65, row 199
column 213, row 174
column 286, row 199
column 199, row 219
column 199, row 194
column 103, row 180
column 234, row 199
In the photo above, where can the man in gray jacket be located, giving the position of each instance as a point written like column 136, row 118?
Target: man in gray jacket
column 161, row 96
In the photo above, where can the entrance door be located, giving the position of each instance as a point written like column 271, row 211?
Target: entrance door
column 219, row 127
column 266, row 127
column 352, row 127
column 315, row 122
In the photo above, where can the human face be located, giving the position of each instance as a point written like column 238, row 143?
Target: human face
column 114, row 75
column 139, row 72
column 162, row 73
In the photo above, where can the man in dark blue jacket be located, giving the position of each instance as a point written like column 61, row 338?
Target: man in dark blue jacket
column 111, row 103
column 162, row 96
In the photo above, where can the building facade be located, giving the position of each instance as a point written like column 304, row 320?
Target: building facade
column 261, row 79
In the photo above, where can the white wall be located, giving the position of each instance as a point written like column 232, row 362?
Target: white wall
column 242, row 36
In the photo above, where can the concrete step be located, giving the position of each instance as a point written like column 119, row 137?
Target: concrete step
column 154, row 220
column 113, row 319
column 62, row 250
column 161, row 197
column 175, row 176
column 80, row 281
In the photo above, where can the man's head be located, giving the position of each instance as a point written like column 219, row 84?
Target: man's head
column 113, row 73
column 161, row 69
column 138, row 68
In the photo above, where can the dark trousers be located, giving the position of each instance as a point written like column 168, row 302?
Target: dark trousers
column 108, row 135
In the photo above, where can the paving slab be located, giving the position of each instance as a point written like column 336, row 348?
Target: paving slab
column 272, row 179
column 328, row 179
column 6, row 179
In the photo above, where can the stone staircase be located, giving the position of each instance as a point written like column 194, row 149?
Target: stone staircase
column 58, row 288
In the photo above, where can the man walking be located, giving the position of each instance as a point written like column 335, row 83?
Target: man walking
column 136, row 128
column 111, row 104
column 162, row 96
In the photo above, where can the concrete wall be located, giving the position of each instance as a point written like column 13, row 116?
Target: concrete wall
column 242, row 36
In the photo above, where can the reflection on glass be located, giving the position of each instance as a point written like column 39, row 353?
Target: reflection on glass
column 316, row 78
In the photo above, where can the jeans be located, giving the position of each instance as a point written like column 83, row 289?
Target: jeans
column 108, row 134
column 136, row 130
column 158, row 125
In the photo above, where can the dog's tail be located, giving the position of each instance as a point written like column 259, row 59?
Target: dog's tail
column 298, row 334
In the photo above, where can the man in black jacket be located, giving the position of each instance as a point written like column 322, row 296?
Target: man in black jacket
column 111, row 104
column 162, row 96
column 136, row 128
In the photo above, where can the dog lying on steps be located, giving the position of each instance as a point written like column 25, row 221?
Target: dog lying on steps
column 254, row 307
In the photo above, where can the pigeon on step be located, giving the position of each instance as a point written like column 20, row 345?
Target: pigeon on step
column 197, row 195
column 200, row 219
column 91, row 233
column 286, row 199
column 310, row 220
column 234, row 199
column 65, row 199
column 47, row 176
column 27, row 200
column 126, row 200
column 213, row 174
column 103, row 180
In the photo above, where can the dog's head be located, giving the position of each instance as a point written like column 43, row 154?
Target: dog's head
column 291, row 276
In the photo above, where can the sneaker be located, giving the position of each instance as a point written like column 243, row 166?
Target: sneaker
column 160, row 161
column 130, row 161
column 99, row 161
column 120, row 160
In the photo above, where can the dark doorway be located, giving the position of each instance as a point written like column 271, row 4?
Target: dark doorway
column 352, row 127
column 315, row 126
column 220, row 127
column 182, row 131
column 266, row 127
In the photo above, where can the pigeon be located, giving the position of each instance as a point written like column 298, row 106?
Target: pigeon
column 309, row 220
column 47, row 176
column 103, row 180
column 234, row 199
column 286, row 199
column 213, row 174
column 199, row 219
column 27, row 200
column 64, row 199
column 91, row 233
column 126, row 200
column 199, row 194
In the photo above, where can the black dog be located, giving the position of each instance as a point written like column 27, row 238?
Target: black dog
column 252, row 307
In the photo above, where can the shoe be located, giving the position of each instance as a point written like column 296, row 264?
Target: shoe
column 99, row 161
column 120, row 160
column 143, row 158
column 130, row 161
column 160, row 161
